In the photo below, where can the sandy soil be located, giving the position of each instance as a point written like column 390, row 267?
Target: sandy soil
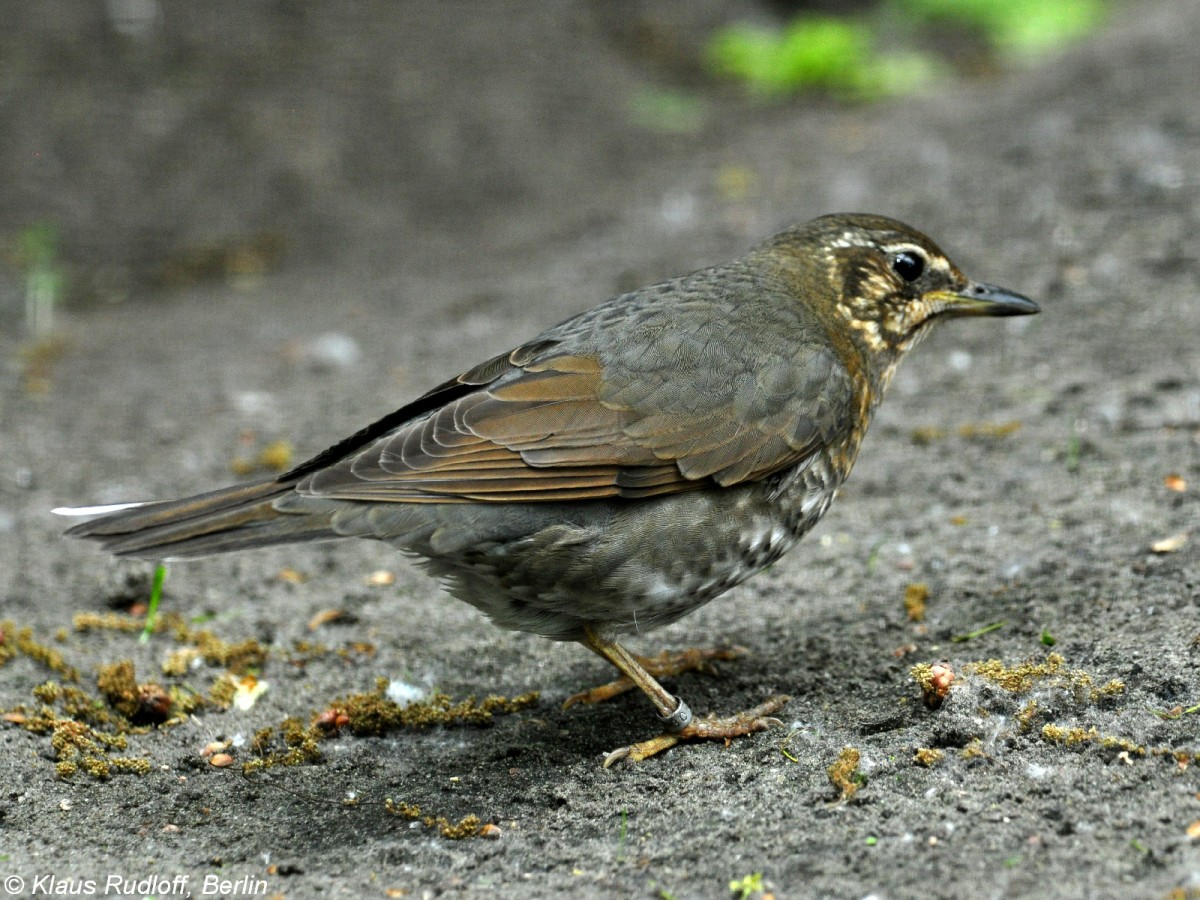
column 450, row 179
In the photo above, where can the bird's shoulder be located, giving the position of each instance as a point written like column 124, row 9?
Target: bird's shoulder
column 717, row 377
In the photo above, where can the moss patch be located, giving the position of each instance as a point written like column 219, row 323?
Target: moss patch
column 468, row 826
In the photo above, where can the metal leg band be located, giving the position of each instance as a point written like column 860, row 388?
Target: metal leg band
column 678, row 720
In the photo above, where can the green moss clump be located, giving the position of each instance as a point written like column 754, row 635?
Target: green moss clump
column 40, row 653
column 1021, row 678
column 844, row 774
column 129, row 764
column 118, row 683
column 78, row 747
column 1074, row 737
column 1016, row 679
column 1026, row 715
column 973, row 750
column 467, row 826
column 89, row 621
column 221, row 694
column 299, row 746
column 374, row 714
column 928, row 756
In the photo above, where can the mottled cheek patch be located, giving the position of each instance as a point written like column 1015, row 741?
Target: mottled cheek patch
column 871, row 333
column 907, row 319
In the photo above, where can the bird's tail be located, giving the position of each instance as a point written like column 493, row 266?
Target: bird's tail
column 233, row 518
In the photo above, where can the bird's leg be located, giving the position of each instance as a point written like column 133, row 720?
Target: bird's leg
column 665, row 665
column 672, row 711
column 667, row 704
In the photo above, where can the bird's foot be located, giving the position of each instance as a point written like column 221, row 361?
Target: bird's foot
column 664, row 665
column 709, row 728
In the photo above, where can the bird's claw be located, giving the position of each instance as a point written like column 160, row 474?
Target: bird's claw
column 635, row 753
column 759, row 718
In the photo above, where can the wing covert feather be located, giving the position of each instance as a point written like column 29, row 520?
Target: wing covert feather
column 602, row 408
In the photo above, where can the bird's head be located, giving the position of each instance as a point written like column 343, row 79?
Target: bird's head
column 888, row 281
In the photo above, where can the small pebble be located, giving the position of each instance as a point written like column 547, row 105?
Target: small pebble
column 332, row 350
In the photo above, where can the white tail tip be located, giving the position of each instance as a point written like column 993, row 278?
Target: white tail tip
column 94, row 510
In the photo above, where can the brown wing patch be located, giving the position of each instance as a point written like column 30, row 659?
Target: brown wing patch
column 533, row 435
column 536, row 427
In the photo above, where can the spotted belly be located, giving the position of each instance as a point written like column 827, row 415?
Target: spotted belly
column 629, row 567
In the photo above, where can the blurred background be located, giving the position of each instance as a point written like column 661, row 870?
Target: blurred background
column 148, row 145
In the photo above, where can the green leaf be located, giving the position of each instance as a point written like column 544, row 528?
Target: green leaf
column 1018, row 27
column 833, row 54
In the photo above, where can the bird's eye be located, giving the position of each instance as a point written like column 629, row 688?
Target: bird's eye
column 908, row 265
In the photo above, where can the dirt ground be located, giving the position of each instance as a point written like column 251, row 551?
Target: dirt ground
column 447, row 179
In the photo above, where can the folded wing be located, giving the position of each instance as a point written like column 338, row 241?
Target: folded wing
column 547, row 422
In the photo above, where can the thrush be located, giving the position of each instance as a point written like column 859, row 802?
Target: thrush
column 627, row 465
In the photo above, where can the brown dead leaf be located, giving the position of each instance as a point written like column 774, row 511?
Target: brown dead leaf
column 988, row 430
column 324, row 617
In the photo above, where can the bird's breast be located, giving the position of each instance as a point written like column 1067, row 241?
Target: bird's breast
column 803, row 495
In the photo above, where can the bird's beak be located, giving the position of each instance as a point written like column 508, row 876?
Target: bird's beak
column 978, row 299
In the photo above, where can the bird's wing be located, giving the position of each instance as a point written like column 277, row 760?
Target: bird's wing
column 620, row 412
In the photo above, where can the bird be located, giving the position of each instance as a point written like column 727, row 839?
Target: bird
column 626, row 466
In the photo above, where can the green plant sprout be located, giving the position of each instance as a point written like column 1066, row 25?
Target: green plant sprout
column 1177, row 712
column 156, row 590
column 978, row 632
column 747, row 885
column 36, row 254
column 784, row 750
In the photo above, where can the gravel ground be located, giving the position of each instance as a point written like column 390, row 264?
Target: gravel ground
column 447, row 181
